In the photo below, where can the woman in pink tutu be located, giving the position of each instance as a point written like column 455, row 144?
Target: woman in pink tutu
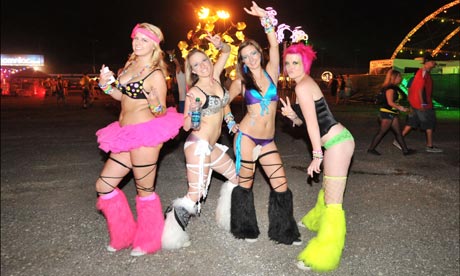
column 134, row 143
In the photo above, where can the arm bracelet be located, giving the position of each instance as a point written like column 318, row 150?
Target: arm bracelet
column 317, row 154
column 229, row 117
column 269, row 21
column 230, row 125
column 107, row 90
column 156, row 110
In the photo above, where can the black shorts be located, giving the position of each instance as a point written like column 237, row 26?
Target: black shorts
column 421, row 119
column 388, row 115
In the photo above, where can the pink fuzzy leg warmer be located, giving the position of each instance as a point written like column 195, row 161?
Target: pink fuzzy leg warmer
column 120, row 220
column 150, row 224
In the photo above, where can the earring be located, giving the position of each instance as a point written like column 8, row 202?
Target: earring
column 245, row 68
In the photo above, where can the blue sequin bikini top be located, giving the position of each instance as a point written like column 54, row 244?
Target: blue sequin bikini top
column 133, row 89
column 253, row 96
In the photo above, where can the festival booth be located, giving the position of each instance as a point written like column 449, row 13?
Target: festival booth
column 28, row 82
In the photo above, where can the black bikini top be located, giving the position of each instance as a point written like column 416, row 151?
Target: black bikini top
column 133, row 89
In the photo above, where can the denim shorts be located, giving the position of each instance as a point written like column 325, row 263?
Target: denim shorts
column 422, row 119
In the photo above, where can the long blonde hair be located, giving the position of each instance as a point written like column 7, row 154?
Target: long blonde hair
column 157, row 58
column 391, row 77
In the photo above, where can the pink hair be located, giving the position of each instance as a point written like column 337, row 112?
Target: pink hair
column 306, row 53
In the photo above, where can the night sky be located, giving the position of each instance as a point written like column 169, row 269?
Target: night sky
column 67, row 33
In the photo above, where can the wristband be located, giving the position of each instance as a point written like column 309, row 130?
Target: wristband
column 230, row 125
column 229, row 117
column 318, row 154
column 156, row 110
column 107, row 90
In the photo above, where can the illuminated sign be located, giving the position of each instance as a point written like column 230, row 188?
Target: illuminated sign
column 22, row 60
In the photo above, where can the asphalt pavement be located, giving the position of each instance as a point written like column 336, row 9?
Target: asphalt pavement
column 402, row 211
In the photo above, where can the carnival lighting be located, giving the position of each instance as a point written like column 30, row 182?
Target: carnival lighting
column 207, row 22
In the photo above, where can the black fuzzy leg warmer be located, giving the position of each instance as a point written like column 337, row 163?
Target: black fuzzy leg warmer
column 243, row 221
column 282, row 226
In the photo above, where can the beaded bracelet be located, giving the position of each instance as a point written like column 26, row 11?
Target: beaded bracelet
column 269, row 21
column 318, row 154
column 107, row 89
column 230, row 126
column 156, row 110
column 229, row 117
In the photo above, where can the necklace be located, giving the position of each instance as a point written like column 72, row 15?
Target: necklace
column 134, row 76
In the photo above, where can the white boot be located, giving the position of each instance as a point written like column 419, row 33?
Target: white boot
column 224, row 204
column 176, row 221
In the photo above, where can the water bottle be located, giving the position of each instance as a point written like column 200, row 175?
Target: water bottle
column 195, row 110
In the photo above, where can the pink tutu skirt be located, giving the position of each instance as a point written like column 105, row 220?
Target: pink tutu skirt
column 115, row 138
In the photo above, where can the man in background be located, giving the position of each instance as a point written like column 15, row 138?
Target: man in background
column 423, row 115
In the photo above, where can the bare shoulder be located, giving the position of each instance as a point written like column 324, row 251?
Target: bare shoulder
column 308, row 86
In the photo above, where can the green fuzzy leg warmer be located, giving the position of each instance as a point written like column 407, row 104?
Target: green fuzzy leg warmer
column 312, row 218
column 323, row 252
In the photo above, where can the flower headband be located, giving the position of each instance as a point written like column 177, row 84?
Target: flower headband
column 145, row 32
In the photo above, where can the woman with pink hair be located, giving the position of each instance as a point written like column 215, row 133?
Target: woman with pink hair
column 323, row 252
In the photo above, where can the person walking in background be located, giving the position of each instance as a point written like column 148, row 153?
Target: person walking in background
column 423, row 115
column 134, row 143
column 60, row 92
column 333, row 85
column 348, row 88
column 85, row 83
column 257, row 81
column 181, row 83
column 340, row 89
column 202, row 152
column 323, row 252
column 389, row 112
column 66, row 87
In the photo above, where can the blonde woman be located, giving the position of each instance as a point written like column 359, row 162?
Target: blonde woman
column 203, row 154
column 134, row 143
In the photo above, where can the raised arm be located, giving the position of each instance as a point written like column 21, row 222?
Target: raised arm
column 224, row 54
column 269, row 22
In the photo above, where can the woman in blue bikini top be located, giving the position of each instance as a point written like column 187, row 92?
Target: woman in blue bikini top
column 255, row 139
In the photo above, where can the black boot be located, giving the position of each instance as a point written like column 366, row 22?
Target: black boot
column 243, row 221
column 282, row 226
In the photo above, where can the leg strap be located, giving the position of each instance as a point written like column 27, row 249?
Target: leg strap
column 140, row 187
column 105, row 178
column 224, row 162
column 202, row 150
column 280, row 166
column 244, row 179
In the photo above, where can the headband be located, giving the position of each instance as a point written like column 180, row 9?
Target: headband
column 145, row 32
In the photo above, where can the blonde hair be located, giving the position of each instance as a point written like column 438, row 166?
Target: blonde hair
column 157, row 58
column 391, row 77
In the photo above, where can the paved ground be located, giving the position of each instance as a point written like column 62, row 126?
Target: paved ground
column 402, row 212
